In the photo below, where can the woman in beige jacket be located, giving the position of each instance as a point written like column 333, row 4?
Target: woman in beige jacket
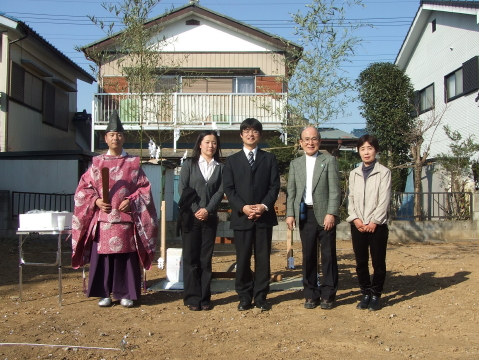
column 369, row 197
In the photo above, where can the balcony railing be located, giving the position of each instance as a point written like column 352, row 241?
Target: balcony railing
column 183, row 110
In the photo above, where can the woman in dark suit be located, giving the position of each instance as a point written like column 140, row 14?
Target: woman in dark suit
column 204, row 174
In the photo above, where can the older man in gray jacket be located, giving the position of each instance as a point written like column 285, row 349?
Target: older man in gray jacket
column 313, row 198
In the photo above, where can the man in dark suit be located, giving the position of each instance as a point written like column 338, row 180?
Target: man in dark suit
column 314, row 181
column 251, row 183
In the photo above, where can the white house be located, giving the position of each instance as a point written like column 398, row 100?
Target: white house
column 38, row 86
column 224, row 71
column 440, row 55
column 40, row 147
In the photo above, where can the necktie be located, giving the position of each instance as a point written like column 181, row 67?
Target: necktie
column 250, row 159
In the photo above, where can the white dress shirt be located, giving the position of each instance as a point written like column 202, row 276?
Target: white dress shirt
column 255, row 150
column 123, row 152
column 206, row 167
column 246, row 151
column 308, row 190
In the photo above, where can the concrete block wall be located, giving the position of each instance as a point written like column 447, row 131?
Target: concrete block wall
column 280, row 232
column 418, row 231
column 399, row 231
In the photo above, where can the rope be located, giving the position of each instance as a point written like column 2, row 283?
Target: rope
column 62, row 346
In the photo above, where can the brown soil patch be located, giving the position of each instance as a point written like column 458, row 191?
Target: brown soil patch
column 430, row 312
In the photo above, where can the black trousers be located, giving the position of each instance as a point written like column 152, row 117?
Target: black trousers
column 247, row 286
column 376, row 244
column 312, row 234
column 198, row 245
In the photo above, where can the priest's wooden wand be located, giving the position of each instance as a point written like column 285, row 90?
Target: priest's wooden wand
column 105, row 182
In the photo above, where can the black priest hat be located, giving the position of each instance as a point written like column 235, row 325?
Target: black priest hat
column 114, row 124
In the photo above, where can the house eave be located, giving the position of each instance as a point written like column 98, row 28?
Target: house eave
column 47, row 155
column 26, row 32
column 420, row 21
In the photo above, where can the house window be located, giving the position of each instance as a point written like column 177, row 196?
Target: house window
column 56, row 107
column 33, row 91
column 462, row 81
column 433, row 25
column 426, row 99
column 167, row 84
column 209, row 85
column 25, row 87
column 454, row 85
column 243, row 85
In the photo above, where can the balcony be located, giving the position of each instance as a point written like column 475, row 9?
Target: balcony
column 187, row 111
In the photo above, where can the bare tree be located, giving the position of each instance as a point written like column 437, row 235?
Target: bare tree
column 424, row 125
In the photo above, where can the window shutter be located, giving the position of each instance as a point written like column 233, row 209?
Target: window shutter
column 17, row 82
column 416, row 98
column 61, row 110
column 470, row 75
column 195, row 85
column 49, row 104
column 220, row 85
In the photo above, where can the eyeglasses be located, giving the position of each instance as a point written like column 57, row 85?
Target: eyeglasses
column 307, row 140
column 251, row 131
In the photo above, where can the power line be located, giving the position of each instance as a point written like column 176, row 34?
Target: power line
column 222, row 4
column 246, row 20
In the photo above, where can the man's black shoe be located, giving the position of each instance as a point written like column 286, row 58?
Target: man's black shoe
column 310, row 304
column 326, row 305
column 243, row 305
column 263, row 305
column 364, row 303
column 374, row 303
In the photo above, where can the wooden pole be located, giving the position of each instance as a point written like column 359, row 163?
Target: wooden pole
column 105, row 181
column 163, row 230
column 289, row 250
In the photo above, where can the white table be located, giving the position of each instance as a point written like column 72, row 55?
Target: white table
column 23, row 236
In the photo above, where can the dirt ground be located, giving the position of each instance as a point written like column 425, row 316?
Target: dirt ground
column 429, row 312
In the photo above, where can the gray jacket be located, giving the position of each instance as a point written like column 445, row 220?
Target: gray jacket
column 369, row 201
column 326, row 187
column 210, row 193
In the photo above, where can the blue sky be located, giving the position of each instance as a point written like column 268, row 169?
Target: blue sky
column 64, row 24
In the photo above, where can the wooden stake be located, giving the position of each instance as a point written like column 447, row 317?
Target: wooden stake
column 289, row 246
column 163, row 231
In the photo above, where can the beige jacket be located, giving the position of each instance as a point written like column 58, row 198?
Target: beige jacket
column 369, row 203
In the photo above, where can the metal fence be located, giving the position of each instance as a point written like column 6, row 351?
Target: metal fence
column 434, row 206
column 26, row 201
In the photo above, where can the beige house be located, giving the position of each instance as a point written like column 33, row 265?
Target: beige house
column 38, row 87
column 219, row 71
